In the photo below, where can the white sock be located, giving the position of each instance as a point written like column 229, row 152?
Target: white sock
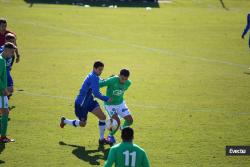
column 102, row 128
column 72, row 122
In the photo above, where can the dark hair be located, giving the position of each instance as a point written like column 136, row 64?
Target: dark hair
column 3, row 21
column 98, row 64
column 125, row 72
column 127, row 134
column 9, row 45
column 9, row 36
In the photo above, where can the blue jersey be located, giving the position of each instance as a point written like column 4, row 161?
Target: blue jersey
column 247, row 26
column 89, row 88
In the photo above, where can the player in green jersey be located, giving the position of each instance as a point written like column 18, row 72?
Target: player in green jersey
column 9, row 50
column 127, row 154
column 116, row 86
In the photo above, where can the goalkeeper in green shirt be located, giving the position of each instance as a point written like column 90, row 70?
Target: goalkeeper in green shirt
column 127, row 154
column 116, row 86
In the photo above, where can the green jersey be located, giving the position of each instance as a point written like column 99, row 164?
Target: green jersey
column 127, row 154
column 3, row 75
column 115, row 89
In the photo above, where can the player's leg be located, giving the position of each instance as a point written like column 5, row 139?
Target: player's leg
column 81, row 112
column 124, row 112
column 97, row 111
column 4, row 120
column 102, row 118
column 128, row 121
column 111, row 110
column 73, row 122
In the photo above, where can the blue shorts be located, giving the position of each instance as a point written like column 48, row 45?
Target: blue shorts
column 82, row 111
column 9, row 79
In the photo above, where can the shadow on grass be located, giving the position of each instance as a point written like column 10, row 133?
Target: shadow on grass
column 81, row 153
column 247, row 73
column 12, row 107
column 2, row 147
column 99, row 3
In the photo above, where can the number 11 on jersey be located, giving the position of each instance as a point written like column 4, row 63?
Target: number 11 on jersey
column 127, row 158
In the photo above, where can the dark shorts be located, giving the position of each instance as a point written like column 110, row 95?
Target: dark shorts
column 9, row 79
column 82, row 111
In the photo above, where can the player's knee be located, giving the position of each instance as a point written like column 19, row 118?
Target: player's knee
column 102, row 117
column 82, row 123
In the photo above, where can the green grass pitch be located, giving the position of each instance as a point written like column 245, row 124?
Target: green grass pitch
column 190, row 95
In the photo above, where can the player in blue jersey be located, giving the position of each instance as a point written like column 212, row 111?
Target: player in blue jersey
column 9, row 62
column 246, row 29
column 85, row 102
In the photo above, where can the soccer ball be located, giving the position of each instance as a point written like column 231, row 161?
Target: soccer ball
column 111, row 124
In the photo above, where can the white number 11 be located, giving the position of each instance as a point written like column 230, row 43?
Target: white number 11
column 133, row 156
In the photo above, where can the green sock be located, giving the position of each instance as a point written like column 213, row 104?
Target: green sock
column 126, row 123
column 4, row 124
column 112, row 133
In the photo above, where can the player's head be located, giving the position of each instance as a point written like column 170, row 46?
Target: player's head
column 3, row 25
column 10, row 38
column 9, row 49
column 124, row 74
column 127, row 134
column 98, row 67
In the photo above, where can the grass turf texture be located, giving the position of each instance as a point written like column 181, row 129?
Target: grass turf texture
column 190, row 92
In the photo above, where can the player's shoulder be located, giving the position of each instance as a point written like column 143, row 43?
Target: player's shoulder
column 2, row 60
column 114, row 147
column 8, row 31
column 138, row 148
column 113, row 78
column 128, row 82
column 92, row 75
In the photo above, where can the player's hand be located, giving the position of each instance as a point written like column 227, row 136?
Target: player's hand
column 110, row 100
column 18, row 59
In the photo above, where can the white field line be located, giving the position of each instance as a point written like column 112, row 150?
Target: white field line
column 155, row 50
column 143, row 106
column 72, row 99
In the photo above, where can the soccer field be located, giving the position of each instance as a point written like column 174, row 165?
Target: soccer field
column 190, row 93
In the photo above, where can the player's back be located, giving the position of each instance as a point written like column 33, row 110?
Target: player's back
column 127, row 154
column 85, row 91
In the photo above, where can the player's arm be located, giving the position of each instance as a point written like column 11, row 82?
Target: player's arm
column 17, row 55
column 105, row 82
column 16, row 51
column 96, row 90
column 247, row 26
column 111, row 158
column 145, row 162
